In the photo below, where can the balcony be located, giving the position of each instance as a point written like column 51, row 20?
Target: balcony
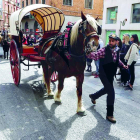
column 5, row 11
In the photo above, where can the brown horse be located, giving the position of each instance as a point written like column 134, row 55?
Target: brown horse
column 83, row 33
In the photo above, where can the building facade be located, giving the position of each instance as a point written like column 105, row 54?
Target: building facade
column 71, row 8
column 6, row 8
column 120, row 17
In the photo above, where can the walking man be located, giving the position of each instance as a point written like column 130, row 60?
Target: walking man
column 109, row 60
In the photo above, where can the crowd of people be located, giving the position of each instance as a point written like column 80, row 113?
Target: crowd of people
column 31, row 40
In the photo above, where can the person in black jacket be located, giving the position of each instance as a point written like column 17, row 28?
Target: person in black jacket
column 109, row 60
column 119, row 43
column 125, row 76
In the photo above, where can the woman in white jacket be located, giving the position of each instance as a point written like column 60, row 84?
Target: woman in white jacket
column 131, row 57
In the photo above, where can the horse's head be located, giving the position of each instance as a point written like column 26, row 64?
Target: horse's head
column 89, row 29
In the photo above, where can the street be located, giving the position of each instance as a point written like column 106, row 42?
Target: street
column 27, row 114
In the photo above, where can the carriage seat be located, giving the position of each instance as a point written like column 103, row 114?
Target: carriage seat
column 29, row 49
column 26, row 46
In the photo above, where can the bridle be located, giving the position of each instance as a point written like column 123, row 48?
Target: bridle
column 82, row 30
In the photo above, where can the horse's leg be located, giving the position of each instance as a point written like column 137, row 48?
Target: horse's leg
column 79, row 83
column 46, row 76
column 57, row 97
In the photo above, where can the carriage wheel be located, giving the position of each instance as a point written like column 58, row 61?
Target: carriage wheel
column 54, row 76
column 15, row 62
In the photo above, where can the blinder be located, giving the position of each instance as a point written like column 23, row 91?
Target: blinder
column 83, row 27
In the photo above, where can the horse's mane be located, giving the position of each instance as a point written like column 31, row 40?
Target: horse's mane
column 74, row 32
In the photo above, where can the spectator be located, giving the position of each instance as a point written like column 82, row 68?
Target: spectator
column 101, row 45
column 131, row 57
column 89, row 67
column 24, row 39
column 4, row 33
column 119, row 43
column 32, row 40
column 124, row 72
column 39, row 40
column 28, row 39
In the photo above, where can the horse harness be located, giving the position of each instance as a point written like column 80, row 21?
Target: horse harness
column 61, row 43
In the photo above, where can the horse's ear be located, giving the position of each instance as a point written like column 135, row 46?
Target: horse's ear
column 83, row 16
column 99, row 30
column 97, row 18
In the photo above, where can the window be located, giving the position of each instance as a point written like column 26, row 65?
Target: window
column 31, row 1
column 136, row 13
column 43, row 1
column 36, row 1
column 112, row 15
column 26, row 2
column 22, row 4
column 89, row 4
column 67, row 2
column 0, row 14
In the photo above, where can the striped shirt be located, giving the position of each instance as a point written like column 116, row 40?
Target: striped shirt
column 101, row 54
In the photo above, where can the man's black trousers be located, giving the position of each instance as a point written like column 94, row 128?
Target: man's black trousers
column 107, row 89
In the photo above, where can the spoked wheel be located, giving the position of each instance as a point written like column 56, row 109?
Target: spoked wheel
column 15, row 62
column 54, row 76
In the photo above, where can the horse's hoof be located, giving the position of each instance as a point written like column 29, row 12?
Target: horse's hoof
column 50, row 96
column 58, row 102
column 82, row 113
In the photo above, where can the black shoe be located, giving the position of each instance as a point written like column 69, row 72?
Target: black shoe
column 92, row 100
